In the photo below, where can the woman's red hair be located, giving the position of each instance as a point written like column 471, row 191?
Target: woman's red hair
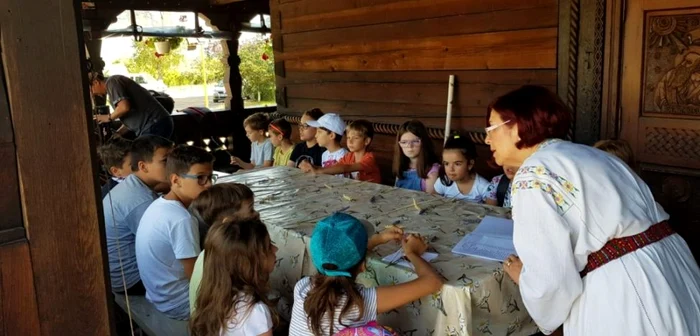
column 538, row 112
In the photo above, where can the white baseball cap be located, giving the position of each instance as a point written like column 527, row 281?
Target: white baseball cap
column 331, row 122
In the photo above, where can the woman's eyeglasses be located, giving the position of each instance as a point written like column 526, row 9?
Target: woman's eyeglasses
column 493, row 127
column 303, row 127
column 202, row 179
column 409, row 143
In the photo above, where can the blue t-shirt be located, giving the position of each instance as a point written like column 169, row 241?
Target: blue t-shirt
column 261, row 152
column 167, row 233
column 128, row 200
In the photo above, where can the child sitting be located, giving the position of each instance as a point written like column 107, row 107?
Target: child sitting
column 329, row 133
column 416, row 165
column 307, row 149
column 331, row 301
column 116, row 160
column 457, row 177
column 619, row 148
column 359, row 163
column 124, row 206
column 233, row 297
column 280, row 135
column 167, row 241
column 213, row 205
column 498, row 191
column 260, row 146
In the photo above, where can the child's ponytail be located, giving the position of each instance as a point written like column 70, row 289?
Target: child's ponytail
column 326, row 295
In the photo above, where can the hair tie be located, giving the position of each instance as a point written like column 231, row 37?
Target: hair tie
column 277, row 129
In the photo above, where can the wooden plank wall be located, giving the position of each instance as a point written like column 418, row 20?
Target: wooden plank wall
column 60, row 273
column 389, row 60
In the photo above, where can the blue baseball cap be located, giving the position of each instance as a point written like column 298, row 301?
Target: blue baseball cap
column 338, row 243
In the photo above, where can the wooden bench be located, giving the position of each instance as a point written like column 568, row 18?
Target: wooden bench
column 150, row 320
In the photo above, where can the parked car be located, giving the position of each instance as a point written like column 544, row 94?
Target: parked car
column 219, row 93
column 148, row 82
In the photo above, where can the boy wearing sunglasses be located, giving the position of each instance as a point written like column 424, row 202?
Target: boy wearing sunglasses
column 167, row 241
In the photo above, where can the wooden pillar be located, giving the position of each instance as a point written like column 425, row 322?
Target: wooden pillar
column 94, row 48
column 234, row 61
column 43, row 49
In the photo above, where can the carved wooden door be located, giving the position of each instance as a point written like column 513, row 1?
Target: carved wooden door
column 660, row 102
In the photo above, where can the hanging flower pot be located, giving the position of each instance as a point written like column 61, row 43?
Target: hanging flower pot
column 162, row 47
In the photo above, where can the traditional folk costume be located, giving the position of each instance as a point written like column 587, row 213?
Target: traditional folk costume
column 598, row 255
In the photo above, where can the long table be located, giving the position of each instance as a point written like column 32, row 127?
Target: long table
column 478, row 297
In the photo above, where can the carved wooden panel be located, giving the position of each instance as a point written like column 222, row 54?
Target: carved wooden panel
column 672, row 64
column 678, row 191
column 672, row 142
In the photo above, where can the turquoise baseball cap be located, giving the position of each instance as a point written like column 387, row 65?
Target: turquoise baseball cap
column 338, row 243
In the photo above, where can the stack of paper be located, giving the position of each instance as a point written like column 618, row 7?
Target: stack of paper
column 492, row 239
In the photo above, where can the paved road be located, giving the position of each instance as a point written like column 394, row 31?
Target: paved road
column 196, row 101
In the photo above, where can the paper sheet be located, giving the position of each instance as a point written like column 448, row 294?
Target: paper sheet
column 398, row 258
column 492, row 239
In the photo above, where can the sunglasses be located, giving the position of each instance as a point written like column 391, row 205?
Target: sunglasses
column 202, row 179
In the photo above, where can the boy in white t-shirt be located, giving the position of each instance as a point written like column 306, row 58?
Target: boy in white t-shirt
column 329, row 135
column 167, row 240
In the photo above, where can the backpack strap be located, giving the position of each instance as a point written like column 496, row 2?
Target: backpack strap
column 502, row 189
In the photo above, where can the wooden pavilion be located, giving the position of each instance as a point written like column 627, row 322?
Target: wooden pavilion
column 630, row 69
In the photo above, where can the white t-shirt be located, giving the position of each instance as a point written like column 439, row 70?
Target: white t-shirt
column 476, row 195
column 300, row 327
column 329, row 159
column 167, row 233
column 261, row 152
column 256, row 321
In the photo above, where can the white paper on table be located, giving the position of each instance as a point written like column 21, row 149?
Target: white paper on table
column 398, row 258
column 492, row 239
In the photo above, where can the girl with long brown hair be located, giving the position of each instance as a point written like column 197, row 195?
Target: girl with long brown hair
column 331, row 301
column 221, row 201
column 232, row 297
column 416, row 166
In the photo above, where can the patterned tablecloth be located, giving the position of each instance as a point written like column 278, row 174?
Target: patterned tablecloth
column 478, row 297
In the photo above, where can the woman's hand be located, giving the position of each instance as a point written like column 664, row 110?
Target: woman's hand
column 414, row 244
column 513, row 266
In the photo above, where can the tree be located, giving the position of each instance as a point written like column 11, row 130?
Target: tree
column 146, row 61
column 258, row 73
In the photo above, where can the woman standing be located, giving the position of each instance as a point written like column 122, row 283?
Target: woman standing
column 596, row 254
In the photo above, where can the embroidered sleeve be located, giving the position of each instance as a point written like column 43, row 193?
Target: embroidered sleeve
column 542, row 236
column 563, row 192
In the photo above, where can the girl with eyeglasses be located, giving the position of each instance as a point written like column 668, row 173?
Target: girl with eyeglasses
column 416, row 165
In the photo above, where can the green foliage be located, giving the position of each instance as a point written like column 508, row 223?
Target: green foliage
column 258, row 74
column 144, row 60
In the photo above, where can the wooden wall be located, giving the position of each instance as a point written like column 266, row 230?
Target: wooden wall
column 389, row 60
column 53, row 278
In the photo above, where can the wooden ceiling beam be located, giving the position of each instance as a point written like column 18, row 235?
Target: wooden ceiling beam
column 223, row 2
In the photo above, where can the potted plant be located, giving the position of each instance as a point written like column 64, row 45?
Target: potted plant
column 163, row 45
